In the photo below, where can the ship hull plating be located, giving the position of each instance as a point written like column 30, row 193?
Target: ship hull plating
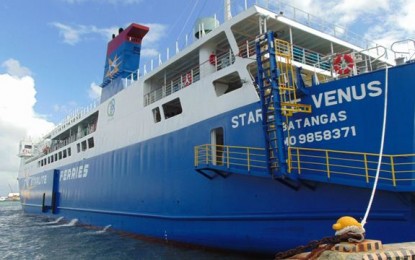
column 151, row 187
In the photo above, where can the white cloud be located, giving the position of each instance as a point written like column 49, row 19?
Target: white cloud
column 404, row 17
column 14, row 68
column 154, row 36
column 349, row 11
column 149, row 52
column 18, row 119
column 76, row 33
column 382, row 21
column 156, row 33
column 339, row 12
column 94, row 91
column 65, row 109
column 70, row 35
column 394, row 24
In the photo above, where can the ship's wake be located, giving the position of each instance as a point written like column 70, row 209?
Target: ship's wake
column 56, row 221
column 103, row 230
column 70, row 224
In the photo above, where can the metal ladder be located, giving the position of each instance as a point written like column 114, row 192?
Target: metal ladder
column 278, row 98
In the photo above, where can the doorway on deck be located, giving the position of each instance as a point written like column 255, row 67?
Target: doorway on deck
column 216, row 138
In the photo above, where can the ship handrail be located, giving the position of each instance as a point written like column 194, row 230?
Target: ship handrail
column 397, row 170
column 71, row 119
column 40, row 145
column 60, row 144
column 392, row 165
column 285, row 9
column 371, row 56
column 408, row 54
column 241, row 156
column 368, row 53
column 172, row 86
column 177, row 82
column 247, row 50
column 316, row 22
column 299, row 54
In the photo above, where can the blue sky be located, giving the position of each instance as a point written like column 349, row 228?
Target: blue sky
column 52, row 52
column 63, row 43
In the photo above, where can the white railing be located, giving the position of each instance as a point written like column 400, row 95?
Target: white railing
column 404, row 50
column 72, row 119
column 285, row 9
column 187, row 78
column 366, row 60
column 314, row 22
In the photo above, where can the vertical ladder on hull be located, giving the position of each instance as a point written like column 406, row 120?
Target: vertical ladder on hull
column 278, row 98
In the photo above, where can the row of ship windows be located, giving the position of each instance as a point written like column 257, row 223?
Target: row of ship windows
column 82, row 146
column 223, row 85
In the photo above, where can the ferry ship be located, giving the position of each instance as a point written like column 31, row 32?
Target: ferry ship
column 256, row 137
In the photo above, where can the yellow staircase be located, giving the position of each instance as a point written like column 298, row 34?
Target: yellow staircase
column 277, row 91
column 287, row 89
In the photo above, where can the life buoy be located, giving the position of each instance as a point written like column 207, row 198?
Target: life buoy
column 343, row 64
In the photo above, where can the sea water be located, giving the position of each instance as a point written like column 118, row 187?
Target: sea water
column 24, row 236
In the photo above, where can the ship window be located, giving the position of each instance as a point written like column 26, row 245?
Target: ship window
column 83, row 145
column 60, row 155
column 44, row 161
column 69, row 151
column 91, row 142
column 64, row 153
column 172, row 108
column 48, row 159
column 26, row 146
column 156, row 115
column 78, row 147
column 56, row 157
column 227, row 84
column 51, row 158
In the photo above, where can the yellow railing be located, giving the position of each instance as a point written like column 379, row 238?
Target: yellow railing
column 242, row 157
column 349, row 168
column 394, row 170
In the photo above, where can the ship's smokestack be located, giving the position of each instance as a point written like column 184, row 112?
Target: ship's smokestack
column 123, row 58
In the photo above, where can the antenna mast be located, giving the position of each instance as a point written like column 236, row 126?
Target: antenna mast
column 227, row 9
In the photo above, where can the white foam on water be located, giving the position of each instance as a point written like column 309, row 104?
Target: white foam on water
column 103, row 230
column 5, row 256
column 98, row 232
column 70, row 224
column 56, row 221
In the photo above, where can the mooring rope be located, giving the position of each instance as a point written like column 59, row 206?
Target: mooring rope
column 382, row 142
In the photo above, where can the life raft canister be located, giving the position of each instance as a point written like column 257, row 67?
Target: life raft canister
column 343, row 64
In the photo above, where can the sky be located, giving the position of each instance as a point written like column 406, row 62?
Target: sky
column 52, row 52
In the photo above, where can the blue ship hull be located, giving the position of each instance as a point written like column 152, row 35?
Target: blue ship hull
column 152, row 188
